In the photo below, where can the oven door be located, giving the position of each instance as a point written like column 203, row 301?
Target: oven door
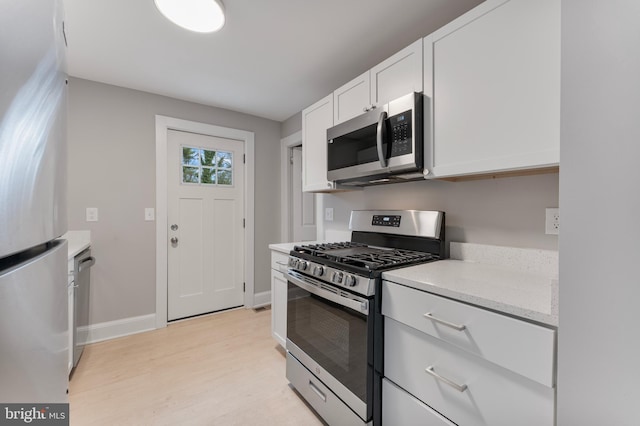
column 330, row 331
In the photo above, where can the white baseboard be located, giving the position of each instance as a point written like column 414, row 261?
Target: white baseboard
column 118, row 328
column 124, row 327
column 262, row 299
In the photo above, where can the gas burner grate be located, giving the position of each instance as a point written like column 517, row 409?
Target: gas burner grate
column 363, row 256
column 388, row 258
column 321, row 247
column 322, row 250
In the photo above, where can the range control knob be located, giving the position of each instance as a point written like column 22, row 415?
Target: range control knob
column 337, row 277
column 303, row 265
column 318, row 271
column 293, row 262
column 350, row 281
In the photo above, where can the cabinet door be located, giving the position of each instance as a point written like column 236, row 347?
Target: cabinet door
column 398, row 75
column 315, row 121
column 279, row 307
column 495, row 79
column 352, row 99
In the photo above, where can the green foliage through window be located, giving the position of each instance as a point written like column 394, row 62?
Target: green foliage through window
column 206, row 167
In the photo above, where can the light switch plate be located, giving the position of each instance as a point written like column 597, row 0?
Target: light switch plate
column 92, row 214
column 149, row 214
column 328, row 214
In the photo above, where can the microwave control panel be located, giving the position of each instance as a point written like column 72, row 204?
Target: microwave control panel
column 401, row 135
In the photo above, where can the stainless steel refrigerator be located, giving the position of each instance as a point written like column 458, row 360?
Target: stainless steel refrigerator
column 33, row 277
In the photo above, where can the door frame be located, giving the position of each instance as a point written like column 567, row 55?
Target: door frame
column 163, row 125
column 286, row 144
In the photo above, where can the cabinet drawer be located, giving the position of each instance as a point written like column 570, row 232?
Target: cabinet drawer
column 519, row 346
column 400, row 408
column 325, row 402
column 278, row 260
column 493, row 396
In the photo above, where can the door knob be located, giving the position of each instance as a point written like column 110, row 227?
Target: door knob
column 174, row 240
column 174, row 227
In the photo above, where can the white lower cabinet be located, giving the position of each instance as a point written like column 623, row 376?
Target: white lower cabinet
column 400, row 408
column 529, row 349
column 278, row 298
column 456, row 381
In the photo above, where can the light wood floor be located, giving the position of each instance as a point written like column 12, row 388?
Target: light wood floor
column 221, row 369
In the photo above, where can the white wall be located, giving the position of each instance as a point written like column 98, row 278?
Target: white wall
column 291, row 125
column 112, row 167
column 599, row 348
column 504, row 211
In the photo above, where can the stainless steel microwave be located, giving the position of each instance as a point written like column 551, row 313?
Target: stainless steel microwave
column 383, row 145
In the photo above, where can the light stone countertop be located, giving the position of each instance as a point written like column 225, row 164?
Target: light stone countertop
column 287, row 247
column 519, row 282
column 515, row 281
column 78, row 241
column 282, row 247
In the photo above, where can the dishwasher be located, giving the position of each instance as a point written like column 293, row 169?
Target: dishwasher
column 82, row 285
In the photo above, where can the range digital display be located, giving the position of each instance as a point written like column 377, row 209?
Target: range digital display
column 392, row 220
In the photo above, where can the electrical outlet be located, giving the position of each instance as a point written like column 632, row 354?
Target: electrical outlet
column 552, row 221
column 149, row 214
column 92, row 214
column 328, row 214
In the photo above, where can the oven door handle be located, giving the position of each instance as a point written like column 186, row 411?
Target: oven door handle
column 359, row 305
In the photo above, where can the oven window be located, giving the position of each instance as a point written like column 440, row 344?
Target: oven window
column 333, row 335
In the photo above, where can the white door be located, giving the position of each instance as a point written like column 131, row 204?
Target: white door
column 205, row 218
column 303, row 206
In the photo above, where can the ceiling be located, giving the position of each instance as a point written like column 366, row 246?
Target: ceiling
column 272, row 58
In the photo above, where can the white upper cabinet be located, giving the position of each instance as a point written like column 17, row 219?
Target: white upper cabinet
column 315, row 121
column 494, row 78
column 398, row 75
column 352, row 99
column 394, row 77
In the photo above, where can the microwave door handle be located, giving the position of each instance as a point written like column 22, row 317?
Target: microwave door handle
column 380, row 135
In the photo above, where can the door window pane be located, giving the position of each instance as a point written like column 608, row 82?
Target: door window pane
column 208, row 175
column 208, row 158
column 224, row 177
column 224, row 160
column 190, row 174
column 190, row 156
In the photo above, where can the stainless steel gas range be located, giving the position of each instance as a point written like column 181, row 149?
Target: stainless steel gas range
column 334, row 324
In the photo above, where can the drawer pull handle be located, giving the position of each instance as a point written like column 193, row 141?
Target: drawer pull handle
column 317, row 391
column 282, row 263
column 459, row 388
column 443, row 322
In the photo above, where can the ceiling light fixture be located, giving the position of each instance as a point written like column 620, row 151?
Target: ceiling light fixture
column 202, row 16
